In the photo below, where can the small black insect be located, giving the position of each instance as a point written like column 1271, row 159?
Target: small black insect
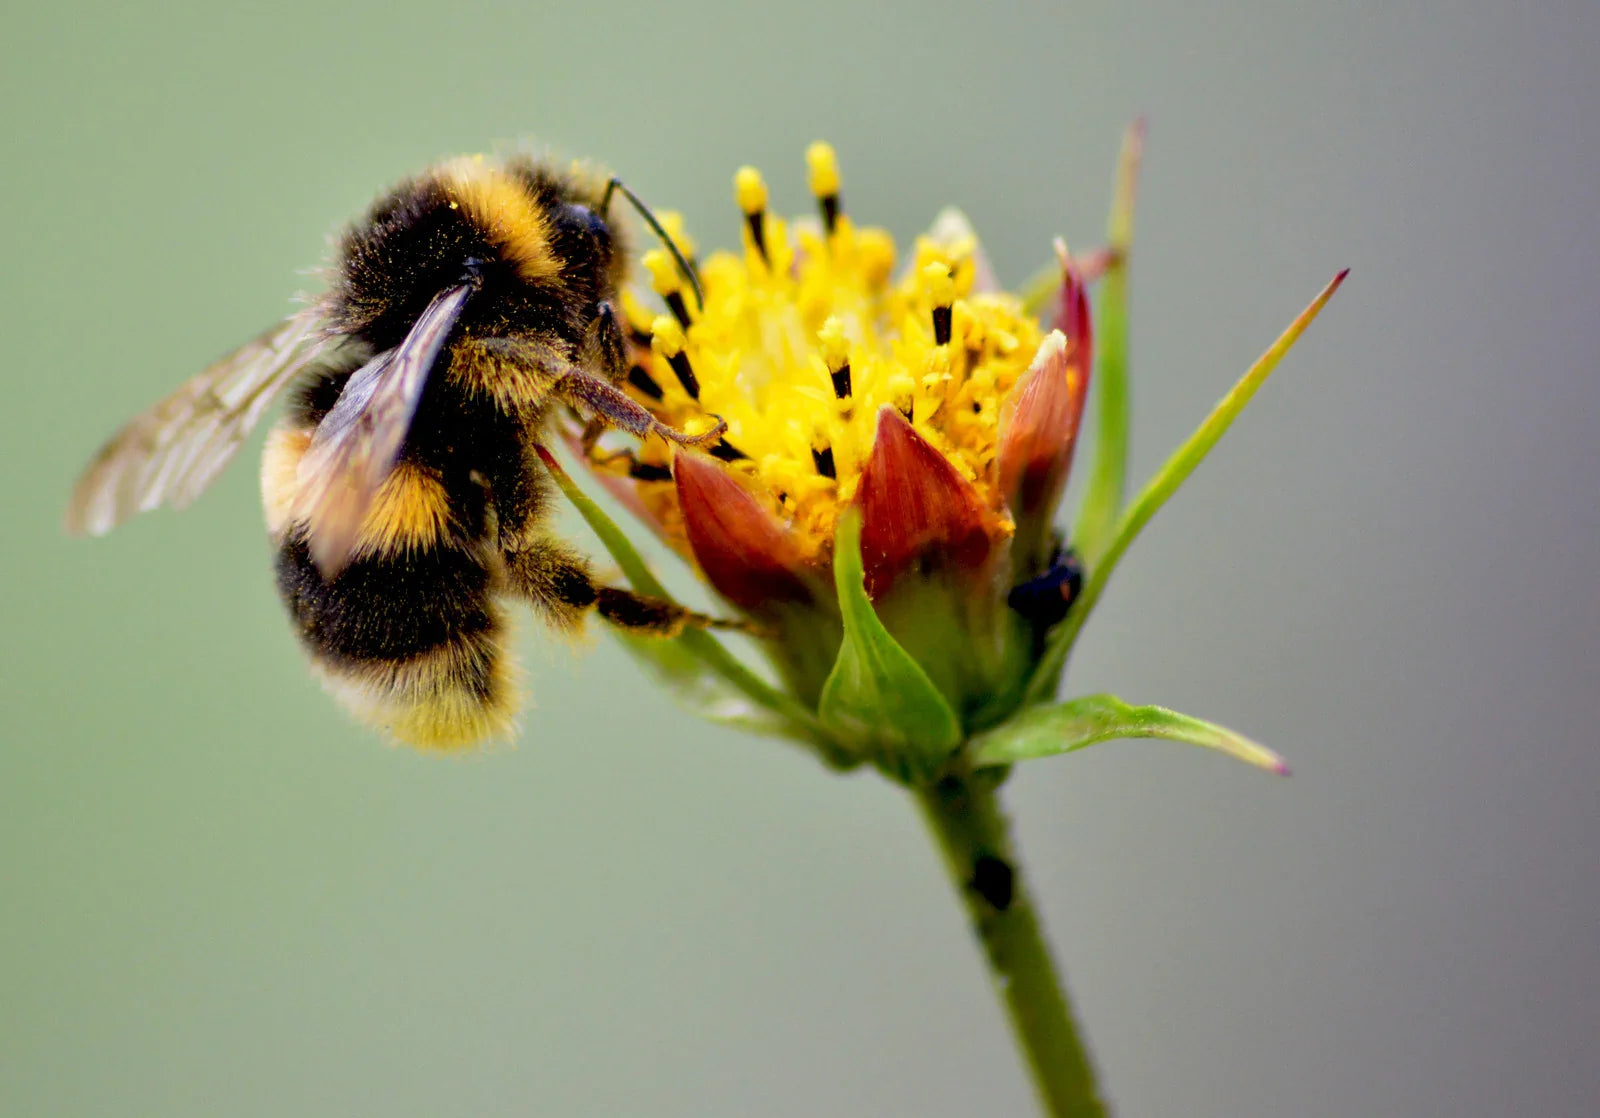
column 1043, row 601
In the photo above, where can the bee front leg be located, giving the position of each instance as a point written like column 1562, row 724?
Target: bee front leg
column 596, row 394
column 605, row 400
column 606, row 349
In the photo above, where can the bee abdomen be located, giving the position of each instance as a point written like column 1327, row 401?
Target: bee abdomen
column 407, row 636
column 410, row 641
column 450, row 698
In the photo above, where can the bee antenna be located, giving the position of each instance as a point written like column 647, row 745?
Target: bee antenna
column 617, row 185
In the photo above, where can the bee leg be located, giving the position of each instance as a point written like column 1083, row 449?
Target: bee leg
column 553, row 579
column 592, row 430
column 606, row 348
column 653, row 617
column 594, row 394
column 556, row 581
column 605, row 400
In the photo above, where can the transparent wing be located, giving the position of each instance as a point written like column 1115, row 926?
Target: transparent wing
column 169, row 454
column 359, row 440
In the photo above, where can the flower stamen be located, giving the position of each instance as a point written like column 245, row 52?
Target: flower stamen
column 836, row 356
column 667, row 282
column 822, row 457
column 941, row 289
column 751, row 193
column 666, row 340
column 823, row 167
column 727, row 452
column 641, row 379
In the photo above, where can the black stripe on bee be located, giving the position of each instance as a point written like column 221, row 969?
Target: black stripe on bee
column 384, row 607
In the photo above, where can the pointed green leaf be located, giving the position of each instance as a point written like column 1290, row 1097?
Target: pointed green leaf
column 877, row 694
column 690, row 660
column 1172, row 474
column 1064, row 727
column 1102, row 499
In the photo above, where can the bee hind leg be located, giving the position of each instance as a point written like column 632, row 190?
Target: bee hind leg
column 556, row 581
column 653, row 617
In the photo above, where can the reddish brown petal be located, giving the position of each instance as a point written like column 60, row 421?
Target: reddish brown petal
column 745, row 553
column 914, row 506
column 1039, row 418
column 1072, row 308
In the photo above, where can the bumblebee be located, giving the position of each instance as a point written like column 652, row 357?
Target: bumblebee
column 403, row 490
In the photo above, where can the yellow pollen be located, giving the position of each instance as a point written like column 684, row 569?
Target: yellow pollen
column 806, row 335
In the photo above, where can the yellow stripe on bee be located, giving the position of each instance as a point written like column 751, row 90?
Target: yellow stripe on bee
column 501, row 206
column 280, row 471
column 410, row 511
column 436, row 702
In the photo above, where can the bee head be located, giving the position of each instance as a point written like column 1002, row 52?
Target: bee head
column 535, row 242
column 586, row 242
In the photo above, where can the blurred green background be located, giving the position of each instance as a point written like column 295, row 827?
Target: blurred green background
column 217, row 896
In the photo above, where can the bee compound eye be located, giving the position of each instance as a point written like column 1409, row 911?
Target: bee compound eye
column 582, row 217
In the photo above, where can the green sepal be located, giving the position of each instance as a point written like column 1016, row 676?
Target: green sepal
column 1045, row 731
column 702, row 673
column 877, row 695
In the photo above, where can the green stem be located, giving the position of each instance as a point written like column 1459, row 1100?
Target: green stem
column 963, row 811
